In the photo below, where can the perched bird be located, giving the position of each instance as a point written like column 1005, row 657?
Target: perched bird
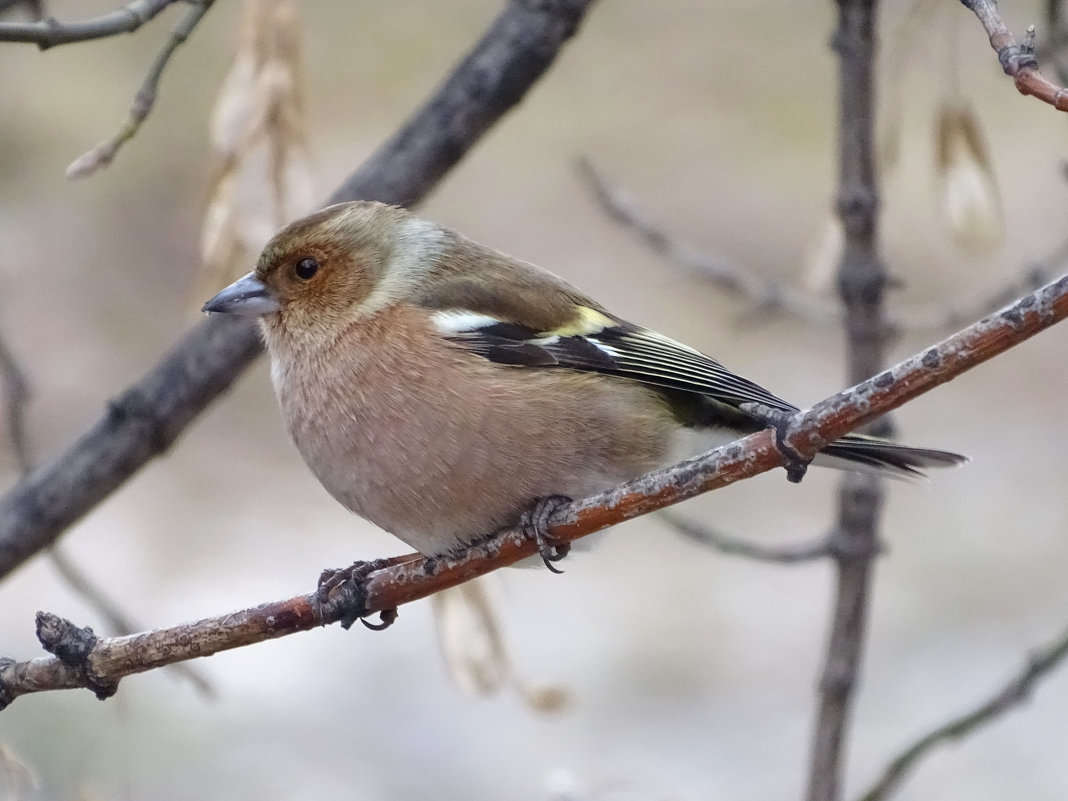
column 440, row 389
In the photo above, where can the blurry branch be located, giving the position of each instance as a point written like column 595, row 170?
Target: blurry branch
column 50, row 32
column 101, row 155
column 82, row 660
column 771, row 297
column 148, row 417
column 34, row 8
column 16, row 396
column 735, row 546
column 1017, row 60
column 1057, row 32
column 1015, row 692
column 862, row 284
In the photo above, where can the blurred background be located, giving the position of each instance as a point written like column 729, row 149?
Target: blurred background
column 689, row 674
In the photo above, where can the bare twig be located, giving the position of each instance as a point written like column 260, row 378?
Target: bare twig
column 1018, row 60
column 1012, row 694
column 101, row 155
column 862, row 281
column 149, row 416
column 736, row 546
column 101, row 663
column 50, row 32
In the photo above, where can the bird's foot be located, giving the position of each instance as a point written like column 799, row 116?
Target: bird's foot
column 344, row 592
column 535, row 524
column 779, row 422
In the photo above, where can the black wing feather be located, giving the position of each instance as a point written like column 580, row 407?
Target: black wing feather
column 623, row 350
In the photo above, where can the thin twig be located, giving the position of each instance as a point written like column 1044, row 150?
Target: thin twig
column 149, row 416
column 1017, row 60
column 50, row 32
column 143, row 102
column 103, row 662
column 1012, row 694
column 862, row 282
column 736, row 546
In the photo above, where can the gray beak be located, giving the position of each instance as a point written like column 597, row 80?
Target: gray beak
column 248, row 295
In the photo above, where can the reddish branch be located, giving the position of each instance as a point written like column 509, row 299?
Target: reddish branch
column 100, row 663
column 1018, row 60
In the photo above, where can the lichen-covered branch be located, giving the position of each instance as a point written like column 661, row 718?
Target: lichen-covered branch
column 98, row 664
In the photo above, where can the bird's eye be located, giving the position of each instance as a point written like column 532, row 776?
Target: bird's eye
column 306, row 268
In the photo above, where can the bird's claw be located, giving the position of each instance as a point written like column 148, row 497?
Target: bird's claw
column 778, row 421
column 343, row 591
column 535, row 524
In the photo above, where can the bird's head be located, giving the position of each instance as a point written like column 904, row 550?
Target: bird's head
column 332, row 268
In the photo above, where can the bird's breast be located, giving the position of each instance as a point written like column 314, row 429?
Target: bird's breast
column 439, row 446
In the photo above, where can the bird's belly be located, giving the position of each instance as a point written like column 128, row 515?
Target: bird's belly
column 440, row 463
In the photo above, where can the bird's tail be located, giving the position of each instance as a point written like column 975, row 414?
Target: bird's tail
column 883, row 457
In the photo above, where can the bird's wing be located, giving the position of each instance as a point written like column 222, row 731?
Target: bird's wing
column 597, row 342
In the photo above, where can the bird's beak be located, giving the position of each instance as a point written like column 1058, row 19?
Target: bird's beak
column 248, row 295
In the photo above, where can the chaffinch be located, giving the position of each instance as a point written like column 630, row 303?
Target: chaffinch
column 439, row 388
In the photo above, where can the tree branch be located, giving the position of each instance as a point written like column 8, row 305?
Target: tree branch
column 1012, row 694
column 101, row 663
column 50, row 32
column 102, row 155
column 149, row 416
column 862, row 281
column 1018, row 60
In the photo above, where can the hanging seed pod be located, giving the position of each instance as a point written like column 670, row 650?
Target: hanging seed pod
column 968, row 190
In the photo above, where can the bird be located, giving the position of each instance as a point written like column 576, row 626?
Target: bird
column 444, row 390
